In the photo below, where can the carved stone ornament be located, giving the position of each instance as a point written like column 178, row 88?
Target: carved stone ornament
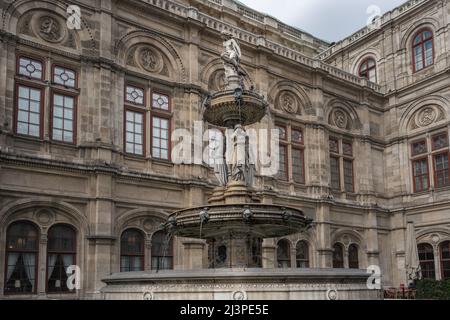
column 50, row 29
column 426, row 117
column 150, row 60
column 239, row 295
column 288, row 102
column 340, row 119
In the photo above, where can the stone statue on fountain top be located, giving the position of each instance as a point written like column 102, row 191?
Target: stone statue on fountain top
column 231, row 61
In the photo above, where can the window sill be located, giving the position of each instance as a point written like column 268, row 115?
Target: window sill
column 163, row 162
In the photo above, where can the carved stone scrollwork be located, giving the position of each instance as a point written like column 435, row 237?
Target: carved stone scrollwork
column 50, row 29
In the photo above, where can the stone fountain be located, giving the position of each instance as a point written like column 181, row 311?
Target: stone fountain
column 235, row 223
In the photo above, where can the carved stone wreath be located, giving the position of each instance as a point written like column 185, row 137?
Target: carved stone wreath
column 49, row 29
column 150, row 60
column 288, row 102
column 340, row 119
column 426, row 117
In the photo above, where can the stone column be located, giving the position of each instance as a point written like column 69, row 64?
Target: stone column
column 398, row 239
column 193, row 254
column 373, row 252
column 324, row 246
column 41, row 275
column 269, row 254
column 148, row 254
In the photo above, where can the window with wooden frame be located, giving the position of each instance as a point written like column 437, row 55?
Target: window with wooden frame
column 445, row 260
column 423, row 50
column 353, row 256
column 302, row 254
column 430, row 151
column 61, row 253
column 426, row 258
column 137, row 111
column 292, row 159
column 22, row 251
column 132, row 251
column 283, row 173
column 341, row 165
column 284, row 254
column 338, row 256
column 31, row 87
column 64, row 97
column 368, row 70
column 162, row 251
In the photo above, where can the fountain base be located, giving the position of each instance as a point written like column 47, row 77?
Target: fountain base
column 241, row 284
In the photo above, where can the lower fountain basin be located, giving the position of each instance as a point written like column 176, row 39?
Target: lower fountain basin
column 241, row 284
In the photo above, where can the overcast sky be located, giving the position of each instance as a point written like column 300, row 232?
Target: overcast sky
column 330, row 20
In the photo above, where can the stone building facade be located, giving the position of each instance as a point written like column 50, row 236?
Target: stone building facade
column 87, row 112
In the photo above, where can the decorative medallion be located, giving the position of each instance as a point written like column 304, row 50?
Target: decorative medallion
column 288, row 102
column 332, row 294
column 50, row 29
column 147, row 296
column 426, row 117
column 435, row 238
column 340, row 119
column 44, row 217
column 150, row 60
column 149, row 224
column 239, row 295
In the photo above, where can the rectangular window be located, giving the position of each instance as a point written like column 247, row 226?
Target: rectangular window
column 428, row 53
column 297, row 136
column 441, row 170
column 283, row 133
column 134, row 95
column 160, row 138
column 440, row 141
column 63, row 115
column 134, row 132
column 297, row 165
column 348, row 175
column 418, row 58
column 28, row 111
column 160, row 101
column 334, row 145
column 420, row 174
column 419, row 147
column 30, row 68
column 334, row 173
column 347, row 148
column 282, row 172
column 63, row 76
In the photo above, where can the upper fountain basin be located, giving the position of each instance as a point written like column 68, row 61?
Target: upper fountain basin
column 230, row 107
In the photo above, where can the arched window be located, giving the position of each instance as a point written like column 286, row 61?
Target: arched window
column 284, row 254
column 445, row 260
column 22, row 241
column 426, row 257
column 368, row 70
column 162, row 251
column 61, row 253
column 302, row 254
column 353, row 261
column 131, row 251
column 423, row 55
column 338, row 256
